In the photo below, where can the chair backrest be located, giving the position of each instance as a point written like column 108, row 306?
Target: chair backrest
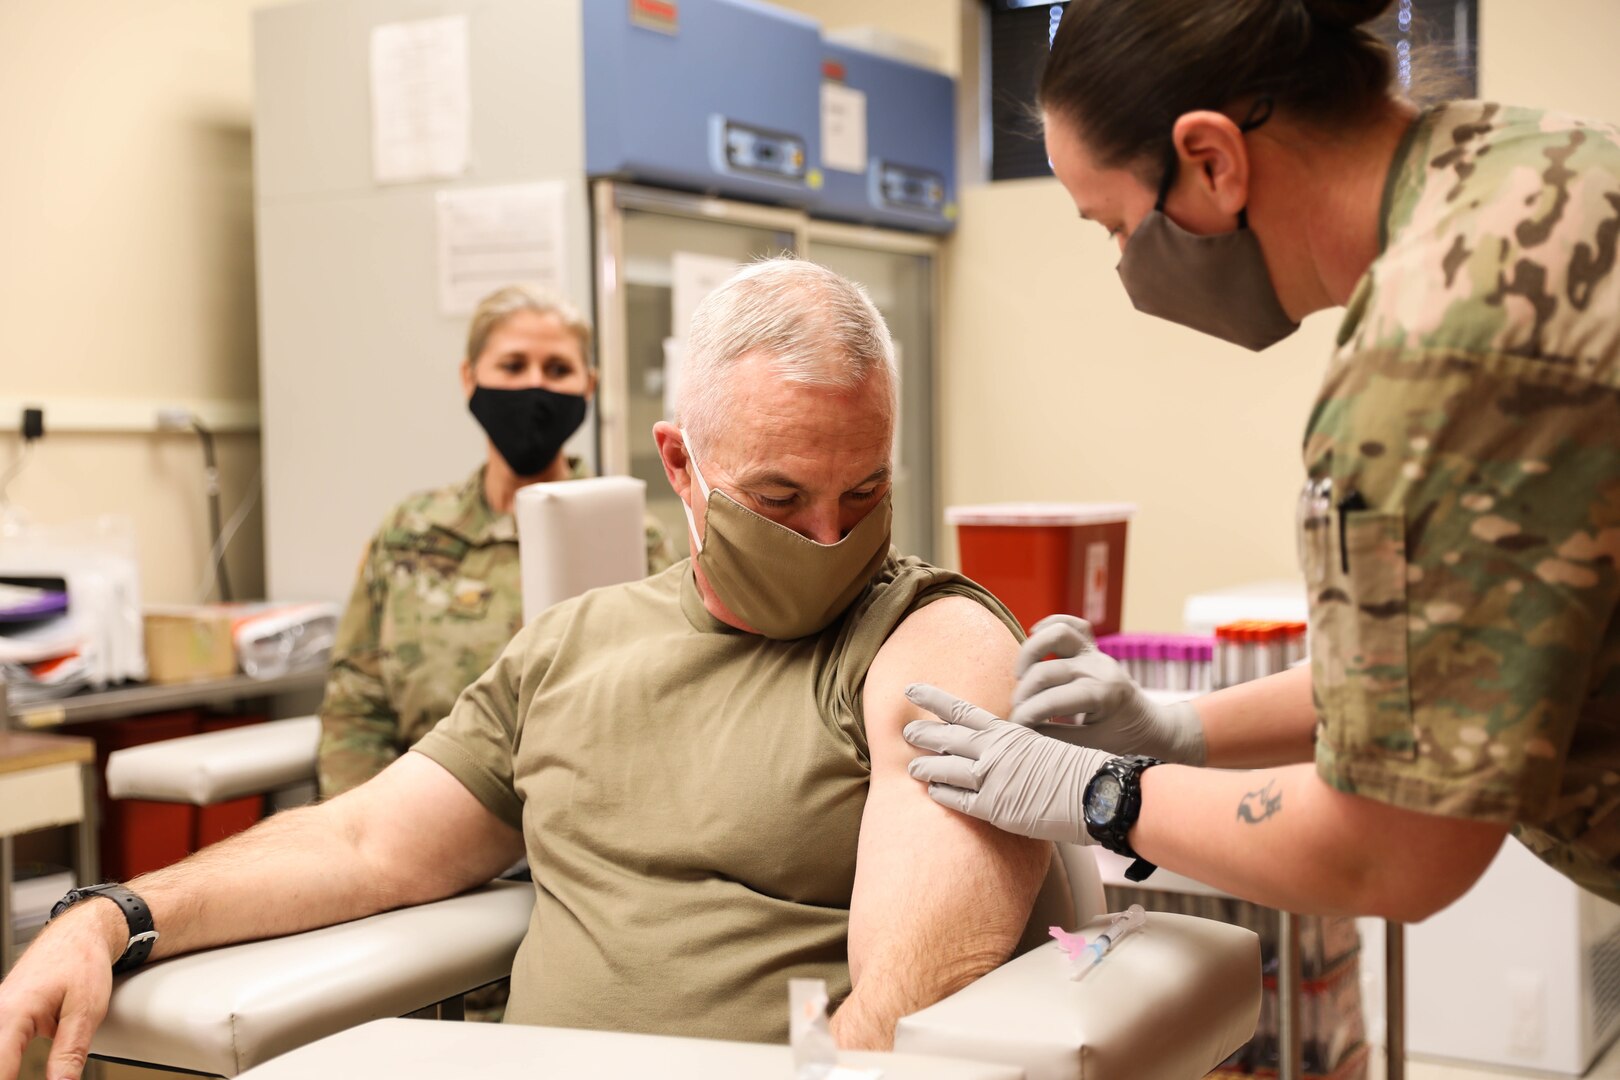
column 1085, row 882
column 575, row 535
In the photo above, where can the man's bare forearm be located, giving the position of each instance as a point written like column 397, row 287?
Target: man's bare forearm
column 294, row 871
column 1257, row 725
column 297, row 870
column 411, row 835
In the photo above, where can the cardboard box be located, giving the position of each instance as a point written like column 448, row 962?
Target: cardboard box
column 187, row 643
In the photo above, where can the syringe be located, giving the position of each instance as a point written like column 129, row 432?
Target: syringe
column 1089, row 957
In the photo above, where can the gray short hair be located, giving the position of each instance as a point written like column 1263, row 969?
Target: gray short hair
column 816, row 328
column 503, row 303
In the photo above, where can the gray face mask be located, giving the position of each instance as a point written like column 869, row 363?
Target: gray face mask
column 1217, row 285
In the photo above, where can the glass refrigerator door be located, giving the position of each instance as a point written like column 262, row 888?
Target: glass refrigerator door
column 658, row 254
column 898, row 270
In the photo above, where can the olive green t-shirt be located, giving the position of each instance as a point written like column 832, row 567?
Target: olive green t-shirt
column 690, row 798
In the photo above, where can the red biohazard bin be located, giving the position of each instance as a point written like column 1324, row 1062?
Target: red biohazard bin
column 1044, row 558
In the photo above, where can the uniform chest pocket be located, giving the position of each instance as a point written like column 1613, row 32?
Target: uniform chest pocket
column 1355, row 573
column 469, row 599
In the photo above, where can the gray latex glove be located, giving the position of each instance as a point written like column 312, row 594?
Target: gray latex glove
column 1017, row 780
column 1115, row 715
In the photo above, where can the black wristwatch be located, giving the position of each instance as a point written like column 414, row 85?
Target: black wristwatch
column 1112, row 803
column 136, row 914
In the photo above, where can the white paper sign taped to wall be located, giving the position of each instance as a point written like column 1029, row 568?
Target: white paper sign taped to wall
column 421, row 102
column 496, row 236
column 843, row 128
column 693, row 277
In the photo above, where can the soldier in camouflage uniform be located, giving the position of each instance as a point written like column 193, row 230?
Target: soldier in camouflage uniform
column 1459, row 528
column 1468, row 660
column 438, row 594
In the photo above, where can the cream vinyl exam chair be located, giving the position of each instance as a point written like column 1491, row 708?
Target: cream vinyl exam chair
column 1172, row 1002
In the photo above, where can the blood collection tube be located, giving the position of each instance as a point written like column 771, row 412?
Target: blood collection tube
column 1266, row 642
column 1226, row 661
column 1294, row 647
column 1175, row 666
column 1240, row 666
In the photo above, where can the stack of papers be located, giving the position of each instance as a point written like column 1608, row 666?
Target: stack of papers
column 44, row 651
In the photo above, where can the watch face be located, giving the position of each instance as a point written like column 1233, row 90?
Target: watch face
column 1104, row 801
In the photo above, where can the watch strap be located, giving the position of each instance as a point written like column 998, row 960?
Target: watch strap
column 1139, row 870
column 137, row 916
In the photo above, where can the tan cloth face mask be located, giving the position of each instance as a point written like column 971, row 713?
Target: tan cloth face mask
column 782, row 584
column 1218, row 285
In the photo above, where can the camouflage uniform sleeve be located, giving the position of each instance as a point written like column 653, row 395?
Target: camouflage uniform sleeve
column 660, row 552
column 360, row 731
column 1458, row 617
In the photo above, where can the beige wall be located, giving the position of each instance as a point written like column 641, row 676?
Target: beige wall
column 126, row 272
column 1556, row 54
column 1055, row 389
column 932, row 23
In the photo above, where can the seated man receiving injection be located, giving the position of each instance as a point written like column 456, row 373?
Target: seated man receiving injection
column 705, row 768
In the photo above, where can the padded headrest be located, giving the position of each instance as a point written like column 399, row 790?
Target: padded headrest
column 576, row 535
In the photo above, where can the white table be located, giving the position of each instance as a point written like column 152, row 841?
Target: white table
column 427, row 1050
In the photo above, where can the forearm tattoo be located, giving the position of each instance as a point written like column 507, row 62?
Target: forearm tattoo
column 1261, row 805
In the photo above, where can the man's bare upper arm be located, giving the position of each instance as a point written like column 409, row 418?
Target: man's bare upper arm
column 940, row 898
column 423, row 833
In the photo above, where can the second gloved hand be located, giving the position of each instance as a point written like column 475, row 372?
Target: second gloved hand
column 1082, row 682
column 1016, row 779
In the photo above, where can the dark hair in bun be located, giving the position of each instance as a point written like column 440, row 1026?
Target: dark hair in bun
column 1346, row 14
column 1124, row 70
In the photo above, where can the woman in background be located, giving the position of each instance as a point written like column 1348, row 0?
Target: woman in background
column 438, row 594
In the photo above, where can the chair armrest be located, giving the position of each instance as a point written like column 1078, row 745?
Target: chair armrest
column 218, row 766
column 225, row 1010
column 1171, row 1003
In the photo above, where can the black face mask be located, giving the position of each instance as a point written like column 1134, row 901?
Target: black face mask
column 528, row 426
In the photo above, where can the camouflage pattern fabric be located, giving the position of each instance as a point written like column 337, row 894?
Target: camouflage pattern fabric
column 437, row 599
column 1460, row 531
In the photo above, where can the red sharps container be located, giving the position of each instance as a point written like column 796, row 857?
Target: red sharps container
column 1044, row 558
